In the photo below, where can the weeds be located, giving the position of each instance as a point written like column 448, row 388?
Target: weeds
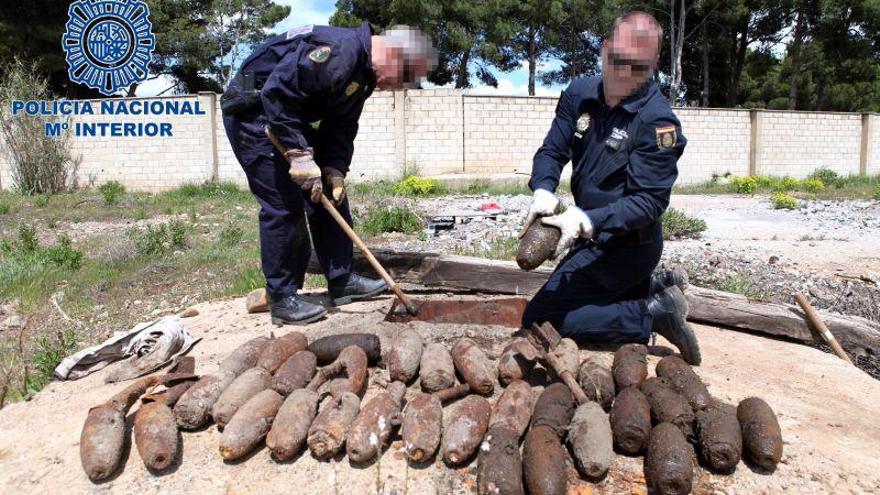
column 4, row 208
column 502, row 248
column 41, row 200
column 160, row 239
column 48, row 355
column 678, row 225
column 824, row 174
column 249, row 278
column 784, row 201
column 112, row 192
column 416, row 186
column 377, row 220
column 813, row 186
column 740, row 284
column 877, row 192
column 230, row 235
column 744, row 185
column 27, row 238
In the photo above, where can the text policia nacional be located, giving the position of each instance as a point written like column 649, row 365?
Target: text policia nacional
column 148, row 125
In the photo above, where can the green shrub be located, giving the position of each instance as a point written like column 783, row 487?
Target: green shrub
column 678, row 224
column 813, row 185
column 783, row 201
column 41, row 200
column 47, row 356
column 112, row 192
column 824, row 174
column 877, row 192
column 230, row 235
column 744, row 185
column 64, row 255
column 160, row 238
column 394, row 219
column 416, row 186
column 4, row 208
column 27, row 237
column 764, row 181
column 785, row 184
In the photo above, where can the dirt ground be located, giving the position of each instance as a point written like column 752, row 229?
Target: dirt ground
column 826, row 408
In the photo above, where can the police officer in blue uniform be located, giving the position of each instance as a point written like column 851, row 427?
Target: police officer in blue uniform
column 624, row 143
column 308, row 87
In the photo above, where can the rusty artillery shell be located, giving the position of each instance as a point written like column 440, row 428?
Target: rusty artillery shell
column 464, row 425
column 499, row 465
column 327, row 349
column 328, row 430
column 244, row 357
column 513, row 365
column 356, row 373
column 156, row 435
column 630, row 366
column 278, row 350
column 474, row 366
column 631, row 421
column 669, row 406
column 596, row 381
column 554, row 408
column 373, row 426
column 247, row 385
column 513, row 409
column 568, row 354
column 404, row 356
column 589, row 435
column 720, row 437
column 762, row 437
column 436, row 371
column 537, row 245
column 193, row 409
column 287, row 437
column 669, row 468
column 295, row 373
column 680, row 376
column 103, row 435
column 250, row 425
column 421, row 427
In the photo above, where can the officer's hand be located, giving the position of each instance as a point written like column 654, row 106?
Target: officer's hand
column 305, row 172
column 573, row 223
column 544, row 203
column 335, row 182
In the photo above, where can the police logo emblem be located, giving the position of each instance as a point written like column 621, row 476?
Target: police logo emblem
column 320, row 55
column 108, row 43
column 352, row 88
column 583, row 123
column 666, row 137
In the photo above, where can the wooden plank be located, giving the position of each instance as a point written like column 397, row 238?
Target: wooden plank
column 858, row 336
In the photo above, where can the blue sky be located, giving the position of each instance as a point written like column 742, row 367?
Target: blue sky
column 319, row 12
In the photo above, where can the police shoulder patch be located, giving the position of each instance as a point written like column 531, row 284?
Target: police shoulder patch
column 666, row 137
column 352, row 88
column 320, row 55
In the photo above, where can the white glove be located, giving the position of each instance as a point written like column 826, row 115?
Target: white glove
column 544, row 203
column 573, row 223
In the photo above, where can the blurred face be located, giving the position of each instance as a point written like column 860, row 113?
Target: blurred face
column 392, row 70
column 629, row 57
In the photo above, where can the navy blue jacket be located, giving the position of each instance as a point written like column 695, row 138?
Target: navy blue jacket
column 315, row 73
column 624, row 159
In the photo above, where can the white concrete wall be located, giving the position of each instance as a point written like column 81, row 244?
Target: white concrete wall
column 443, row 131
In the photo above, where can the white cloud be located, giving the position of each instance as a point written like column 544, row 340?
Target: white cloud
column 305, row 12
column 152, row 87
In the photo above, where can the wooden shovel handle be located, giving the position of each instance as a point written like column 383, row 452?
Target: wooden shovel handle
column 816, row 322
column 328, row 205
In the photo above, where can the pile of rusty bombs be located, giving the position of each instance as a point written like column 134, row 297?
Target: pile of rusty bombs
column 293, row 395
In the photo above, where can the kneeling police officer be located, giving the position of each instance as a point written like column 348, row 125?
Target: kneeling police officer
column 308, row 87
column 624, row 143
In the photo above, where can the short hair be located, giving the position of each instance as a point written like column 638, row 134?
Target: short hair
column 640, row 14
column 414, row 46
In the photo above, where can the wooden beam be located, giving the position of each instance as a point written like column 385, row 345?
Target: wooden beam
column 858, row 336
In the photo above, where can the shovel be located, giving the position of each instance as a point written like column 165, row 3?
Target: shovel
column 411, row 308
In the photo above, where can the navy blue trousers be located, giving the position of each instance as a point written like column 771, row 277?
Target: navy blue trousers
column 598, row 294
column 286, row 216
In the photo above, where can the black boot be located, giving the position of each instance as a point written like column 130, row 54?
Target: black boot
column 344, row 290
column 293, row 310
column 670, row 309
column 662, row 279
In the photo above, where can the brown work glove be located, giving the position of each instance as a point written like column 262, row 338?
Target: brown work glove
column 305, row 172
column 334, row 180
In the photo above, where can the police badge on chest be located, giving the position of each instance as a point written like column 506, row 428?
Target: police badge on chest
column 582, row 125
